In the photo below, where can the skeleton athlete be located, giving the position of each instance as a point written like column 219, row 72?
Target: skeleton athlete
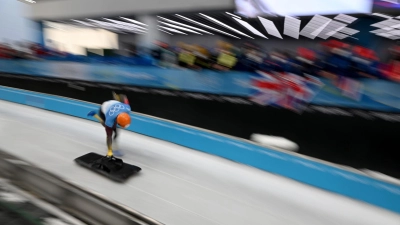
column 113, row 113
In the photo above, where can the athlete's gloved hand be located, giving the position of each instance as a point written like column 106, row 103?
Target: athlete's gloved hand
column 91, row 113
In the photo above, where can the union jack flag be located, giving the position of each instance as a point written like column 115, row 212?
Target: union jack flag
column 350, row 88
column 267, row 90
column 288, row 90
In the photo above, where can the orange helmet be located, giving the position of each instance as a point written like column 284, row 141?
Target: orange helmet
column 124, row 120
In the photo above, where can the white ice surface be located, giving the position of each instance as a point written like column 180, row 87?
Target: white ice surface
column 177, row 186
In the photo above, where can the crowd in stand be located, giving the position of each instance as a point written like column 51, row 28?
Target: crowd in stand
column 332, row 59
column 27, row 51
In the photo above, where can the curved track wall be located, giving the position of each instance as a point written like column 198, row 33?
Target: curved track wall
column 306, row 170
column 360, row 139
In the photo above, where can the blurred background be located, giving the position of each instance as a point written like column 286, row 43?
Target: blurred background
column 323, row 74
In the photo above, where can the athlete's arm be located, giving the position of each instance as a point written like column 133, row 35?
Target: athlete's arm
column 99, row 119
column 92, row 113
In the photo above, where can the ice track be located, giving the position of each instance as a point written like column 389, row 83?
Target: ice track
column 177, row 186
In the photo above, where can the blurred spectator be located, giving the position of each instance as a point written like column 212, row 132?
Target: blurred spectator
column 332, row 59
column 391, row 70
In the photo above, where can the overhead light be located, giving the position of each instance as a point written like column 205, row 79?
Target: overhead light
column 384, row 34
column 315, row 26
column 173, row 30
column 340, row 35
column 224, row 25
column 249, row 27
column 353, row 37
column 378, row 31
column 30, row 1
column 185, row 25
column 395, row 32
column 331, row 29
column 396, row 26
column 349, row 31
column 112, row 25
column 211, row 28
column 379, row 25
column 125, row 24
column 292, row 27
column 133, row 21
column 345, row 18
column 165, row 31
column 231, row 14
column 101, row 22
column 180, row 28
column 270, row 27
column 387, row 23
column 382, row 15
column 316, row 32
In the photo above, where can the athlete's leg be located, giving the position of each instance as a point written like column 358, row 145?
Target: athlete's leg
column 109, row 132
column 115, row 133
column 116, row 151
